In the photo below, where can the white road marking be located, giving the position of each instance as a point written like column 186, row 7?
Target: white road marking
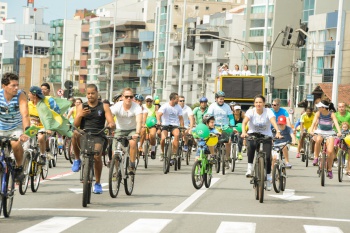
column 233, row 227
column 57, row 177
column 80, row 190
column 54, row 225
column 321, row 229
column 146, row 225
column 185, row 204
column 289, row 195
column 185, row 213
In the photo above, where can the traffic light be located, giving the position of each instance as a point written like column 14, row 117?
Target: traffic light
column 287, row 36
column 191, row 39
column 68, row 93
column 272, row 82
column 301, row 36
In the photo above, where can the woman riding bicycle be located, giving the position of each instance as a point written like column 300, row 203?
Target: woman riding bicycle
column 324, row 120
column 259, row 120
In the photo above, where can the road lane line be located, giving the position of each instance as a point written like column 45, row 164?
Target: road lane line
column 321, row 229
column 146, row 225
column 57, row 176
column 233, row 227
column 185, row 204
column 54, row 225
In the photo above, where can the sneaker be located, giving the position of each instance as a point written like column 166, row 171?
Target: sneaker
column 76, row 165
column 194, row 149
column 19, row 175
column 335, row 163
column 98, row 188
column 240, row 157
column 288, row 165
column 227, row 165
column 132, row 170
column 315, row 162
column 330, row 174
column 244, row 149
column 185, row 148
column 249, row 173
column 298, row 155
column 161, row 157
column 153, row 155
column 268, row 185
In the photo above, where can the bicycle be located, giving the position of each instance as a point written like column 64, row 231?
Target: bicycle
column 179, row 152
column 54, row 150
column 202, row 168
column 7, row 176
column 118, row 170
column 168, row 151
column 305, row 153
column 190, row 142
column 279, row 173
column 68, row 149
column 341, row 156
column 220, row 151
column 146, row 147
column 259, row 178
column 234, row 151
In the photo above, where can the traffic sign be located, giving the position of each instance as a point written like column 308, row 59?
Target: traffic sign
column 310, row 97
column 291, row 111
column 60, row 92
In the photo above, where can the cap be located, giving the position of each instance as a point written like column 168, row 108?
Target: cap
column 37, row 91
column 321, row 105
column 282, row 120
column 149, row 97
column 236, row 107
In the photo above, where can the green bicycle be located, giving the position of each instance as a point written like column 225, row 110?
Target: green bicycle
column 202, row 168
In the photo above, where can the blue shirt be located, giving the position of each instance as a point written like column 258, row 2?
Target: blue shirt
column 10, row 116
column 286, row 134
column 281, row 112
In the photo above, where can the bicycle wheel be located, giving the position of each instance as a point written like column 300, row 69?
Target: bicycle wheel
column 55, row 153
column 87, row 182
column 283, row 178
column 145, row 152
column 7, row 199
column 36, row 175
column 207, row 175
column 197, row 178
column 166, row 161
column 323, row 169
column 261, row 181
column 107, row 154
column 66, row 147
column 217, row 160
column 45, row 169
column 276, row 178
column 27, row 162
column 188, row 156
column 179, row 157
column 129, row 180
column 70, row 152
column 223, row 159
column 115, row 177
column 306, row 152
column 340, row 156
column 233, row 156
column 256, row 180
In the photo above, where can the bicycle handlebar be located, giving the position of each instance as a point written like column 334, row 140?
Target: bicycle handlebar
column 83, row 131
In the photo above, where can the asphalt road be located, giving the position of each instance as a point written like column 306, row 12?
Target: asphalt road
column 170, row 203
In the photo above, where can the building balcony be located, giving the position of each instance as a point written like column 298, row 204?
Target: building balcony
column 85, row 43
column 52, row 37
column 107, row 28
column 144, row 73
column 83, row 71
column 329, row 48
column 59, row 36
column 145, row 55
column 58, row 64
column 126, row 58
column 104, row 59
column 55, row 78
column 84, row 56
column 144, row 90
column 52, row 65
column 121, row 75
column 327, row 76
column 58, row 51
column 102, row 77
column 106, row 45
column 52, row 51
column 85, row 27
column 127, row 42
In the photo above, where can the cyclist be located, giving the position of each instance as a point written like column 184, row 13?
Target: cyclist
column 199, row 112
column 278, row 111
column 239, row 116
column 188, row 117
column 259, row 120
column 342, row 115
column 129, row 122
column 45, row 89
column 324, row 120
column 170, row 117
column 14, row 117
column 150, row 112
column 92, row 115
column 73, row 111
column 305, row 124
column 223, row 116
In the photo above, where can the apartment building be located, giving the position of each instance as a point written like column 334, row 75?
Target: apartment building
column 3, row 10
column 39, row 67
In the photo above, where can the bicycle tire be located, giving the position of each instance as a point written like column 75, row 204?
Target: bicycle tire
column 145, row 153
column 188, row 156
column 217, row 160
column 114, row 177
column 129, row 180
column 197, row 178
column 179, row 158
column 70, row 152
column 107, row 153
column 323, row 170
column 283, row 178
column 35, row 176
column 261, row 173
column 7, row 200
column 340, row 164
column 223, row 159
column 256, row 183
column 234, row 156
column 166, row 161
column 207, row 175
column 27, row 162
column 276, row 178
column 87, row 182
column 307, row 152
column 66, row 147
column 45, row 169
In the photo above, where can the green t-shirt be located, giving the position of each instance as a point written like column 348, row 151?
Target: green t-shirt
column 198, row 114
column 341, row 119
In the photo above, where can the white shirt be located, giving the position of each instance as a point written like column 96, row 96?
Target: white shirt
column 246, row 73
column 236, row 72
column 225, row 72
column 126, row 119
column 186, row 112
column 170, row 114
column 260, row 123
column 220, row 113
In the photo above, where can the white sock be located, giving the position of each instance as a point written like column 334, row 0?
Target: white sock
column 138, row 144
column 153, row 147
column 269, row 177
column 250, row 166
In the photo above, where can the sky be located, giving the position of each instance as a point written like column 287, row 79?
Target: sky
column 55, row 8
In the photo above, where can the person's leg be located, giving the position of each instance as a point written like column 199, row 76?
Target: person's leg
column 133, row 148
column 176, row 134
column 251, row 147
column 330, row 153
column 99, row 147
column 76, row 144
column 318, row 142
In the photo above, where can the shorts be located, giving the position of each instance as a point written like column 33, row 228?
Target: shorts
column 122, row 132
column 17, row 132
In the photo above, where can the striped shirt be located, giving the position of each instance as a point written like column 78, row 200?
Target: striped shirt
column 10, row 116
column 325, row 122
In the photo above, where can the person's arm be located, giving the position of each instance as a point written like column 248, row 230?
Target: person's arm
column 109, row 116
column 70, row 112
column 138, row 123
column 80, row 114
column 23, row 109
column 335, row 121
column 274, row 124
column 231, row 119
column 314, row 123
column 181, row 119
column 159, row 115
column 144, row 118
column 244, row 125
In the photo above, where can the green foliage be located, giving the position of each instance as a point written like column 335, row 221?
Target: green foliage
column 77, row 93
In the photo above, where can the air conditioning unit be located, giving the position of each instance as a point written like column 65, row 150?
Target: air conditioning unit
column 176, row 7
column 227, row 54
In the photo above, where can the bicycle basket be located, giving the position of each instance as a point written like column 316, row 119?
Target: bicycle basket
column 90, row 144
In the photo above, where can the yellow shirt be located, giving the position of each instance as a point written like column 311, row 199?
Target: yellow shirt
column 307, row 120
column 34, row 115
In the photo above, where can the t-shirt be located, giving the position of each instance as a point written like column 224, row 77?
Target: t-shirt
column 286, row 134
column 260, row 123
column 10, row 116
column 341, row 119
column 186, row 112
column 307, row 120
column 281, row 112
column 220, row 113
column 170, row 114
column 150, row 111
column 246, row 73
column 34, row 115
column 126, row 119
column 198, row 114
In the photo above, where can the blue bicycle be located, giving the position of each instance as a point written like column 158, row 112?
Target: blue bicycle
column 7, row 175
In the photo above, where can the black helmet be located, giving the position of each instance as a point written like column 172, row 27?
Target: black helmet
column 207, row 117
column 116, row 97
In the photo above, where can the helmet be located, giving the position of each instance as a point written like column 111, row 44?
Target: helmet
column 203, row 99
column 347, row 140
column 139, row 97
column 232, row 103
column 207, row 117
column 116, row 97
column 219, row 94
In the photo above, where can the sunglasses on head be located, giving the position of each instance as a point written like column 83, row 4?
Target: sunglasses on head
column 128, row 96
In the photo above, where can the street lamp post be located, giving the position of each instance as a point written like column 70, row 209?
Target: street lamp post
column 113, row 50
column 73, row 60
column 2, row 56
column 33, row 51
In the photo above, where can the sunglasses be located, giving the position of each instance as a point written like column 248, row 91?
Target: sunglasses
column 128, row 96
column 274, row 105
column 181, row 101
column 149, row 101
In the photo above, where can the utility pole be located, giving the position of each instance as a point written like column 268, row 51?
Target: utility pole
column 292, row 90
column 203, row 76
column 73, row 60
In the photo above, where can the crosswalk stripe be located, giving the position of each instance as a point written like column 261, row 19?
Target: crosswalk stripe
column 146, row 225
column 54, row 225
column 242, row 227
column 321, row 229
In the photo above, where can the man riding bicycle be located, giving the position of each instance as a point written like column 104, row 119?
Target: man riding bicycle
column 170, row 117
column 14, row 117
column 188, row 117
column 150, row 112
column 92, row 116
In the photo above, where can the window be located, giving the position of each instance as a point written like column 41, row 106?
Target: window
column 320, row 65
column 222, row 44
column 196, row 7
column 192, row 67
column 206, row 8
